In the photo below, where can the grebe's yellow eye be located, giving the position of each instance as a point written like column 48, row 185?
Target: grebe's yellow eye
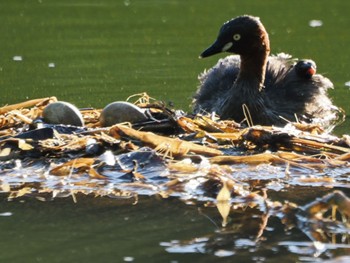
column 236, row 37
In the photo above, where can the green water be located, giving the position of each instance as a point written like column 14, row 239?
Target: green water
column 91, row 53
column 97, row 230
column 107, row 50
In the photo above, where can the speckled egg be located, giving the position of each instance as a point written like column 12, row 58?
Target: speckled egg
column 62, row 112
column 121, row 111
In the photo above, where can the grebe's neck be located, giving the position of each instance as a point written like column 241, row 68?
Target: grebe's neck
column 253, row 63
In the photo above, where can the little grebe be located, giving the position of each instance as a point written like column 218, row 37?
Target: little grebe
column 272, row 90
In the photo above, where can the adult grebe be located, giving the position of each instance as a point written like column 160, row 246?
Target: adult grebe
column 271, row 89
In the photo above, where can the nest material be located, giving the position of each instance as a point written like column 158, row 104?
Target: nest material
column 173, row 154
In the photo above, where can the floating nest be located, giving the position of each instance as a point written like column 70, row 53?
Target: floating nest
column 198, row 159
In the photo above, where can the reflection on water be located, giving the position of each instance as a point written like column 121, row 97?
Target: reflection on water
column 153, row 231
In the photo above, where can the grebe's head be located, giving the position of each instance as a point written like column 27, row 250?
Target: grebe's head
column 242, row 35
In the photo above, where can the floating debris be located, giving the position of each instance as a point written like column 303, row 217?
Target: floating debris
column 315, row 23
column 17, row 58
column 128, row 259
column 127, row 2
column 6, row 214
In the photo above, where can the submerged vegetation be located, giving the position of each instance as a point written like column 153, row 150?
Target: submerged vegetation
column 198, row 159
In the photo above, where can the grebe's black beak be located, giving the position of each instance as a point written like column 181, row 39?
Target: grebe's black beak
column 215, row 48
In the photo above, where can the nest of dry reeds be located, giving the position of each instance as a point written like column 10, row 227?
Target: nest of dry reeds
column 196, row 158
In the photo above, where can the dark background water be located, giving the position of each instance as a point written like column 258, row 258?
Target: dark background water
column 108, row 50
column 91, row 53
